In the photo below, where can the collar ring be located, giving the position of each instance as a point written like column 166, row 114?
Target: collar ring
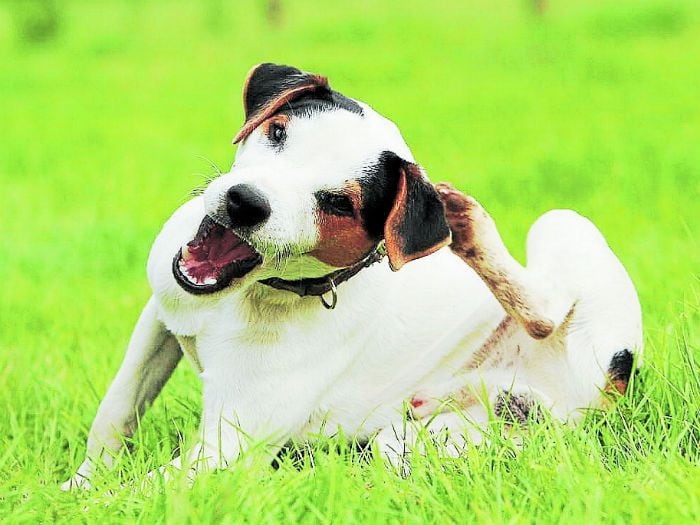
column 334, row 297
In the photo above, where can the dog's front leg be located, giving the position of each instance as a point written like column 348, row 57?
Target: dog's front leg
column 151, row 357
column 249, row 422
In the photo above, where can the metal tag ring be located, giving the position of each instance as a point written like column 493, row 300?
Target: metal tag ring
column 334, row 300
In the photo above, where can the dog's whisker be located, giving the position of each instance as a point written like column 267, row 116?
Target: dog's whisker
column 207, row 178
column 197, row 190
column 283, row 257
column 212, row 165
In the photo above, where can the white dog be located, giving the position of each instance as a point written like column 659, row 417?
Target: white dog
column 280, row 285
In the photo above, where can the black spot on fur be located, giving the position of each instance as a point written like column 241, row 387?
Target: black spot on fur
column 378, row 183
column 514, row 408
column 621, row 366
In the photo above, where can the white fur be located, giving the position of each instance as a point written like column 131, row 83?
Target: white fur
column 275, row 366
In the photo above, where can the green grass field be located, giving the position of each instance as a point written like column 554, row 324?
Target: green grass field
column 106, row 124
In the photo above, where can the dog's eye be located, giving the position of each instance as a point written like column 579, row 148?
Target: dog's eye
column 335, row 203
column 277, row 133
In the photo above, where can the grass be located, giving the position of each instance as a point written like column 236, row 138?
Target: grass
column 113, row 116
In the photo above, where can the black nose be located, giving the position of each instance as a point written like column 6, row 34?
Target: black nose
column 246, row 205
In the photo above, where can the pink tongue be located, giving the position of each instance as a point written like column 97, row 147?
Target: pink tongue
column 235, row 253
column 218, row 249
column 220, row 244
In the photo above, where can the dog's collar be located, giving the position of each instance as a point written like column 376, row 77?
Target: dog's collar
column 320, row 286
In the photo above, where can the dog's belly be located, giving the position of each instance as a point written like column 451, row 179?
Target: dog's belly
column 355, row 367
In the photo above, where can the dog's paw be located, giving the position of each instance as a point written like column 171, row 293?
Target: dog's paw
column 455, row 201
column 167, row 473
column 77, row 482
column 464, row 214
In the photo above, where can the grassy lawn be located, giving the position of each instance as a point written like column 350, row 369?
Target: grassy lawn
column 106, row 125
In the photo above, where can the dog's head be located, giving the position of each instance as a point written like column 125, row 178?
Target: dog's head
column 318, row 181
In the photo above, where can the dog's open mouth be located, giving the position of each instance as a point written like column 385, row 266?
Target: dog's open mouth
column 210, row 261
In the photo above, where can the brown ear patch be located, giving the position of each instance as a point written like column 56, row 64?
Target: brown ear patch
column 343, row 240
column 269, row 87
column 393, row 239
column 416, row 225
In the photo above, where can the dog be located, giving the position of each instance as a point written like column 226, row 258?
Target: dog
column 280, row 283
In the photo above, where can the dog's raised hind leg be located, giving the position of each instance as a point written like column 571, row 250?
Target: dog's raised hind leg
column 534, row 303
column 152, row 355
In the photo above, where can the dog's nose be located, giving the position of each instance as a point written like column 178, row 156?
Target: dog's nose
column 246, row 205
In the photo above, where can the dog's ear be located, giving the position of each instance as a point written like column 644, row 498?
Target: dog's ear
column 269, row 86
column 416, row 225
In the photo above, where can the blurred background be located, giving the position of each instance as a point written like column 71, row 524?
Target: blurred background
column 112, row 111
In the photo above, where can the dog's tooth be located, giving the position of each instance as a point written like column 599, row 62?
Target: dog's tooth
column 189, row 277
column 209, row 280
column 185, row 253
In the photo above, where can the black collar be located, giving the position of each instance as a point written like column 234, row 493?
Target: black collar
column 319, row 286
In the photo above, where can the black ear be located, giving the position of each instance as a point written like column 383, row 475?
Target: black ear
column 416, row 225
column 266, row 82
column 269, row 86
